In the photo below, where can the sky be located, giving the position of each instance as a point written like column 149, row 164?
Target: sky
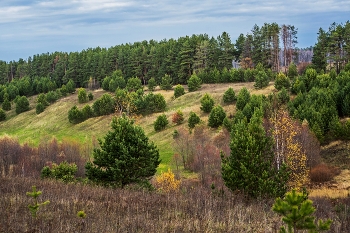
column 30, row 27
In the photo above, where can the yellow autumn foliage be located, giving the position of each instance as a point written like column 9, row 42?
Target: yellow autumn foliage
column 166, row 182
column 288, row 150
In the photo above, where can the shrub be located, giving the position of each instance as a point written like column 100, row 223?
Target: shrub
column 70, row 86
column 179, row 90
column 2, row 115
column 134, row 84
column 52, row 96
column 34, row 208
column 64, row 171
column 166, row 83
column 297, row 212
column 87, row 112
column 39, row 108
column 104, row 105
column 63, row 90
column 90, row 96
column 6, row 105
column 323, row 173
column 283, row 96
column 82, row 95
column 166, row 182
column 22, row 104
column 161, row 122
column 151, row 84
column 261, row 80
column 125, row 156
column 282, row 81
column 193, row 120
column 194, row 83
column 75, row 116
column 207, row 103
column 229, row 96
column 216, row 116
column 243, row 98
column 178, row 117
column 105, row 83
column 292, row 71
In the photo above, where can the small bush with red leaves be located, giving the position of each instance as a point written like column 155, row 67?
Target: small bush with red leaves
column 323, row 173
column 178, row 117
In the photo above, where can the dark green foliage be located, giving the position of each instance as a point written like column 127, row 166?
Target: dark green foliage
column 39, row 108
column 179, row 90
column 283, row 96
column 90, row 96
column 229, row 96
column 105, row 105
column 134, row 84
column 2, row 115
column 193, row 120
column 52, row 96
column 249, row 167
column 282, row 82
column 216, row 116
column 207, row 103
column 6, row 105
column 227, row 123
column 64, row 172
column 64, row 90
column 22, row 104
column 161, row 122
column 194, row 83
column 120, row 82
column 70, row 86
column 243, row 98
column 261, row 80
column 82, row 95
column 42, row 100
column 292, row 72
column 297, row 212
column 249, row 75
column 153, row 103
column 87, row 112
column 75, row 116
column 151, row 84
column 166, row 83
column 105, row 83
column 126, row 156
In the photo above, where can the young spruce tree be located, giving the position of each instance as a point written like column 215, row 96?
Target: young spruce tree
column 249, row 168
column 126, row 156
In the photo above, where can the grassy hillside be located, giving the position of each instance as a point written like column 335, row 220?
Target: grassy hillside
column 53, row 122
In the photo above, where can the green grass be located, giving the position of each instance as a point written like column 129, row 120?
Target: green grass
column 53, row 122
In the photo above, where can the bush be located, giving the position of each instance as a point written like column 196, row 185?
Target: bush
column 243, row 98
column 123, row 158
column 64, row 171
column 216, row 116
column 151, row 84
column 283, row 96
column 179, row 90
column 282, row 81
column 39, row 108
column 105, row 83
column 82, row 95
column 161, row 122
column 193, row 120
column 207, row 103
column 323, row 173
column 22, row 104
column 87, row 112
column 70, row 86
column 75, row 116
column 166, row 182
column 2, row 115
column 134, row 84
column 166, row 83
column 178, row 117
column 105, row 105
column 52, row 96
column 229, row 96
column 194, row 83
column 90, row 96
column 6, row 105
column 261, row 80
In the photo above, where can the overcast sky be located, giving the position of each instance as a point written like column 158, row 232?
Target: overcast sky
column 33, row 27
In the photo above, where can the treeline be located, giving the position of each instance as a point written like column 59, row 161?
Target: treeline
column 271, row 44
column 332, row 49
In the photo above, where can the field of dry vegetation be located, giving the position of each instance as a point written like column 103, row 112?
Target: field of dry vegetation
column 197, row 206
